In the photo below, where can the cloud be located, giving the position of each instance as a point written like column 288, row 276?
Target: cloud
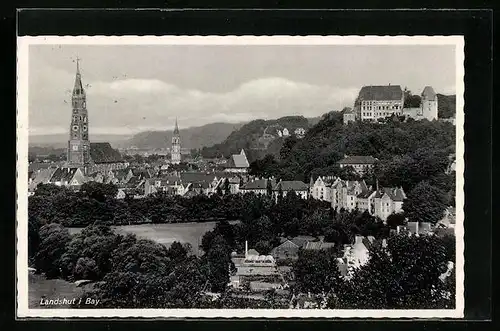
column 132, row 105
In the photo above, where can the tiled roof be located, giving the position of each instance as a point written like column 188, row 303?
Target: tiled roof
column 104, row 153
column 365, row 194
column 396, row 194
column 318, row 245
column 63, row 174
column 121, row 173
column 358, row 159
column 259, row 184
column 238, row 161
column 196, row 177
column 289, row 185
column 43, row 175
column 302, row 240
column 386, row 92
column 429, row 94
column 35, row 166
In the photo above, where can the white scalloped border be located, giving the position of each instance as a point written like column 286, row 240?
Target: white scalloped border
column 23, row 43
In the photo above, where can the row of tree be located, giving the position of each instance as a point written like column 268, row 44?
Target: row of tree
column 407, row 274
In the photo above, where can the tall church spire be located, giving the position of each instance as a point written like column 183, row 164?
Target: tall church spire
column 176, row 129
column 176, row 145
column 78, row 154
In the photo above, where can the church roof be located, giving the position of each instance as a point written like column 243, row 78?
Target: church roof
column 63, row 174
column 386, row 92
column 78, row 88
column 104, row 153
column 238, row 161
column 176, row 129
column 429, row 94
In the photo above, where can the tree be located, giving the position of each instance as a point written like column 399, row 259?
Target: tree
column 269, row 188
column 219, row 263
column 50, row 190
column 178, row 252
column 226, row 187
column 405, row 275
column 263, row 247
column 393, row 220
column 317, row 271
column 99, row 191
column 425, row 203
column 53, row 240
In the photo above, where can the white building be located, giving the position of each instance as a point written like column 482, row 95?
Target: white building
column 360, row 163
column 321, row 188
column 428, row 106
column 379, row 102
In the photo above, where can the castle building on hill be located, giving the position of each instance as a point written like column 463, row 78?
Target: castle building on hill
column 81, row 153
column 428, row 106
column 376, row 102
column 176, row 146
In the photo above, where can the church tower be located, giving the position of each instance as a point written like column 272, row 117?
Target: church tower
column 429, row 104
column 176, row 145
column 78, row 144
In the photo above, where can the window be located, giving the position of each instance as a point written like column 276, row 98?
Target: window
column 84, row 128
column 75, row 127
column 75, row 147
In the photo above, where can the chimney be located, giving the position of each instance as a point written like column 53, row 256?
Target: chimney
column 246, row 249
column 358, row 240
column 377, row 183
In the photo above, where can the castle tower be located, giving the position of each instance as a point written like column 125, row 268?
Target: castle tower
column 78, row 154
column 176, row 145
column 429, row 104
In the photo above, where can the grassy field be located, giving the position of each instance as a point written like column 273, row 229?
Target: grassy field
column 168, row 233
column 39, row 288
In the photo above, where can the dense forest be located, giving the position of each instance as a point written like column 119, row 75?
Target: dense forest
column 250, row 136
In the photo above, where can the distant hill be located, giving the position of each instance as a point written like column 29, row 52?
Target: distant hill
column 258, row 137
column 193, row 137
column 60, row 140
column 446, row 105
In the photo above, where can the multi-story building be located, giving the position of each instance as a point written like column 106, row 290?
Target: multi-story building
column 360, row 163
column 344, row 193
column 388, row 200
column 376, row 102
column 321, row 188
column 286, row 186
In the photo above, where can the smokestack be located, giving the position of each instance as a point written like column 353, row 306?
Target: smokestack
column 377, row 184
column 246, row 248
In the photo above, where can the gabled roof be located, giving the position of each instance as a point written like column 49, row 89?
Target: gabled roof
column 287, row 244
column 252, row 252
column 121, row 173
column 43, row 175
column 302, row 240
column 196, row 177
column 259, row 184
column 318, row 245
column 104, row 153
column 429, row 94
column 365, row 194
column 385, row 92
column 238, row 161
column 358, row 159
column 289, row 185
column 394, row 193
column 63, row 174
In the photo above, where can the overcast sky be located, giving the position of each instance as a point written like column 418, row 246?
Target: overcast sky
column 137, row 88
